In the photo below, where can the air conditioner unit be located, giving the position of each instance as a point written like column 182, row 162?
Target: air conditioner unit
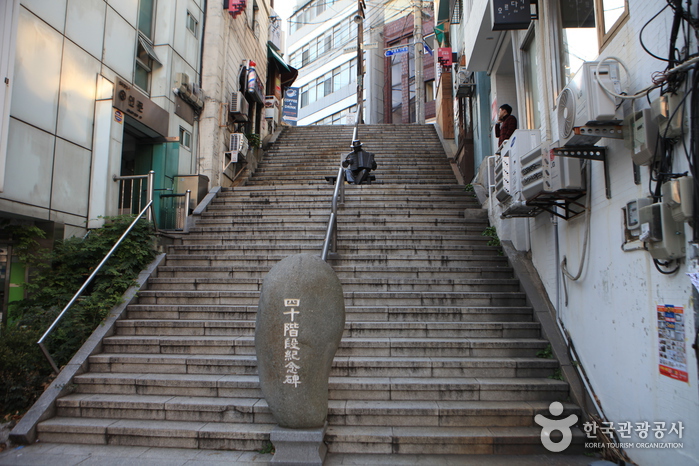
column 239, row 107
column 182, row 83
column 238, row 143
column 507, row 166
column 465, row 83
column 584, row 102
column 543, row 172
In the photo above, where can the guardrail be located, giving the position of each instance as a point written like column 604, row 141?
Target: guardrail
column 148, row 208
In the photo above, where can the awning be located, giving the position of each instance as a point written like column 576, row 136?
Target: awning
column 288, row 72
column 149, row 49
column 271, row 53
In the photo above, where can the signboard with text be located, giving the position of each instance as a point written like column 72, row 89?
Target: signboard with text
column 290, row 111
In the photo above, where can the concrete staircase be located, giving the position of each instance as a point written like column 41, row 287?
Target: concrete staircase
column 440, row 349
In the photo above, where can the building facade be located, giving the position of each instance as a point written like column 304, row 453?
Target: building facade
column 616, row 264
column 98, row 93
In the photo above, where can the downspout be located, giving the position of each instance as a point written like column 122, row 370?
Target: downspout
column 195, row 159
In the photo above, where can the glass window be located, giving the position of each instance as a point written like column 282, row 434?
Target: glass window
column 145, row 17
column 610, row 15
column 185, row 138
column 429, row 90
column 142, row 77
column 578, row 36
column 531, row 82
column 192, row 24
column 304, row 96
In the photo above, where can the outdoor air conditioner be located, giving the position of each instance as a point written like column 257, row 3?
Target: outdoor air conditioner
column 465, row 83
column 182, row 83
column 239, row 107
column 508, row 167
column 542, row 172
column 584, row 102
column 238, row 143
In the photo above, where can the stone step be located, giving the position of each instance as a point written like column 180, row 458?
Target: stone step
column 237, row 229
column 484, row 391
column 231, row 327
column 349, row 284
column 169, row 434
column 382, row 260
column 373, row 347
column 352, row 298
column 443, row 440
column 427, row 314
column 193, row 243
column 346, row 271
column 429, row 413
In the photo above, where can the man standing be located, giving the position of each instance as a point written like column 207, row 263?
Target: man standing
column 506, row 125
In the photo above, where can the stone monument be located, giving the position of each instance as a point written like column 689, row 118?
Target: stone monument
column 300, row 320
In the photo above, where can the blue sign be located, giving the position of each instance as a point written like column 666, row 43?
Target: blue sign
column 389, row 53
column 290, row 111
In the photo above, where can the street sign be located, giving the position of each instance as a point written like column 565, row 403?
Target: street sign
column 350, row 49
column 389, row 53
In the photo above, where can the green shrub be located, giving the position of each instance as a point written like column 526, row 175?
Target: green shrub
column 55, row 277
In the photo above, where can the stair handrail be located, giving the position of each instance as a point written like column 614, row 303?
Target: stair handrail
column 87, row 282
column 330, row 243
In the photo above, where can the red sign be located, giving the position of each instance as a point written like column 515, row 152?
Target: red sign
column 235, row 7
column 444, row 57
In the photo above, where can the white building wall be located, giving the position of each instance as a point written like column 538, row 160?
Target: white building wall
column 68, row 54
column 611, row 311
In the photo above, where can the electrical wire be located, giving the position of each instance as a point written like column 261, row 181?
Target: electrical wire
column 586, row 239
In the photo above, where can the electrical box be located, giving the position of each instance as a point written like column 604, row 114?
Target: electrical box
column 678, row 195
column 644, row 129
column 633, row 219
column 668, row 111
column 663, row 236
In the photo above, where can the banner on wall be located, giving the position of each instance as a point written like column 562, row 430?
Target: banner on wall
column 671, row 343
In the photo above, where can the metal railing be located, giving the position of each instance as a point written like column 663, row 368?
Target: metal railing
column 176, row 216
column 131, row 192
column 148, row 208
column 330, row 243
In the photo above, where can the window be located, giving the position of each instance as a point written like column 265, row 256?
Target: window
column 531, row 81
column 578, row 37
column 145, row 17
column 611, row 14
column 429, row 90
column 192, row 24
column 145, row 53
column 185, row 139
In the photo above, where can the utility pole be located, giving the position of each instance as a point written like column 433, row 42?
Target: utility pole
column 419, row 51
column 359, row 19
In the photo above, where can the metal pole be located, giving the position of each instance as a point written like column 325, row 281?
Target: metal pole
column 359, row 19
column 151, row 178
column 419, row 82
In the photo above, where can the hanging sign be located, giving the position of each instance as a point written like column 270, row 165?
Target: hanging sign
column 235, row 7
column 444, row 57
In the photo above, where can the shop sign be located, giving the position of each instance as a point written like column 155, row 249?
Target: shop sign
column 132, row 102
column 290, row 111
column 444, row 57
column 235, row 7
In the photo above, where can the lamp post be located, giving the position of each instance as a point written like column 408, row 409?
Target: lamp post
column 419, row 83
column 359, row 19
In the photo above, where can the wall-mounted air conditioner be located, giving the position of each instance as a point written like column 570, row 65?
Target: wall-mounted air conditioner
column 584, row 102
column 508, row 184
column 238, row 107
column 465, row 85
column 543, row 172
column 182, row 83
column 238, row 143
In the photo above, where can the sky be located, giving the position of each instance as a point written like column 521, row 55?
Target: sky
column 284, row 8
